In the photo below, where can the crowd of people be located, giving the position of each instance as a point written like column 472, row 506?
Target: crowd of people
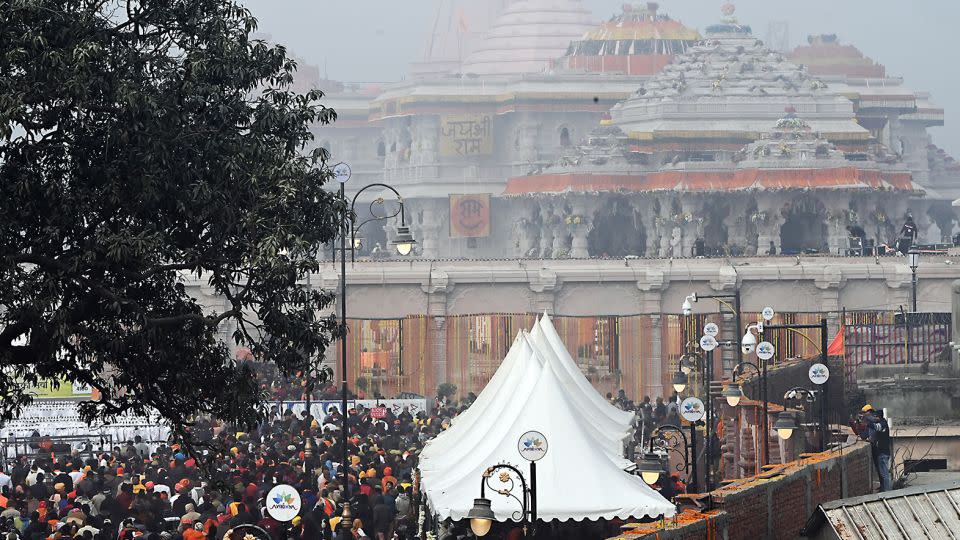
column 165, row 491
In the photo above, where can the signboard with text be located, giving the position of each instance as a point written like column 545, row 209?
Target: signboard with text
column 466, row 135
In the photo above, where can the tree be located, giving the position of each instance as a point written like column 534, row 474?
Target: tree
column 446, row 390
column 145, row 148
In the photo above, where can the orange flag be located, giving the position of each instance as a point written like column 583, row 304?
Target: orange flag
column 836, row 347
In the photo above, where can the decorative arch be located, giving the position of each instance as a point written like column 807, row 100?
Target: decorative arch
column 617, row 230
column 565, row 139
column 804, row 227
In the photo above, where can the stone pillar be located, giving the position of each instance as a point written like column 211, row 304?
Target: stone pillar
column 430, row 231
column 688, row 231
column 546, row 231
column 829, row 285
column 837, row 221
column 654, row 385
column 544, row 285
column 437, row 287
column 579, row 247
column 580, row 226
column 524, row 235
column 899, row 285
column 768, row 226
column 561, row 246
column 526, row 142
column 735, row 222
column 651, row 303
column 645, row 205
column 924, row 223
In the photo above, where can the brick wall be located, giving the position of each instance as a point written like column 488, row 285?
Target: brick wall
column 776, row 507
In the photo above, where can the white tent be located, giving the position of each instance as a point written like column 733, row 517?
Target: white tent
column 567, row 364
column 496, row 389
column 577, row 479
column 607, row 424
column 478, row 429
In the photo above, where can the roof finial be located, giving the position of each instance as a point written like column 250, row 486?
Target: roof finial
column 728, row 9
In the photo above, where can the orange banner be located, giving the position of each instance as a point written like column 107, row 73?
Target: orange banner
column 470, row 216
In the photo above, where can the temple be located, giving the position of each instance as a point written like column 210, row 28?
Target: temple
column 529, row 130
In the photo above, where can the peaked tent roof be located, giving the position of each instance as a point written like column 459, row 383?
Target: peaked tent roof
column 474, row 432
column 541, row 402
column 568, row 365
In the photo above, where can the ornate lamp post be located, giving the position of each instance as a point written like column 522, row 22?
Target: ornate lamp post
column 822, row 347
column 687, row 309
column 650, row 466
column 796, row 394
column 482, row 517
column 734, row 391
column 404, row 244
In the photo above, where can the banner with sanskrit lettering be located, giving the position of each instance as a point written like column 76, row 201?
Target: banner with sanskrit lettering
column 466, row 135
column 470, row 216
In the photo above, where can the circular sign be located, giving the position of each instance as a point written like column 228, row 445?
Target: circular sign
column 283, row 503
column 819, row 373
column 711, row 329
column 341, row 172
column 768, row 313
column 692, row 409
column 765, row 350
column 378, row 412
column 708, row 343
column 532, row 446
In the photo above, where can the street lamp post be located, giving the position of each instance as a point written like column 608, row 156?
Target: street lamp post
column 734, row 392
column 721, row 299
column 688, row 363
column 482, row 517
column 404, row 244
column 822, row 327
column 687, row 309
column 914, row 264
column 795, row 394
column 651, row 468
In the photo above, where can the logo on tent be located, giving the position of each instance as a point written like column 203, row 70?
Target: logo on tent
column 532, row 445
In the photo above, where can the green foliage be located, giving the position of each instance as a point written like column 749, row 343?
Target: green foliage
column 446, row 390
column 148, row 148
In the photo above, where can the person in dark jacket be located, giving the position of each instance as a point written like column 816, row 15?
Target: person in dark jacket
column 873, row 427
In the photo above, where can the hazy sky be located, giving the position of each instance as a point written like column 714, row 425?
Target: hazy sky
column 375, row 40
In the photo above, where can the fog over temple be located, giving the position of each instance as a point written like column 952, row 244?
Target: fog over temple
column 567, row 131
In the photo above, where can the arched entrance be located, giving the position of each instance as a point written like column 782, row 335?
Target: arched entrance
column 712, row 229
column 617, row 230
column 805, row 226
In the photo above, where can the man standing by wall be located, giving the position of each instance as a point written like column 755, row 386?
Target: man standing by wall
column 874, row 428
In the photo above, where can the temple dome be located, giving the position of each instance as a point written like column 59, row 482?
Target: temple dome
column 639, row 41
column 730, row 87
column 458, row 27
column 528, row 36
column 825, row 56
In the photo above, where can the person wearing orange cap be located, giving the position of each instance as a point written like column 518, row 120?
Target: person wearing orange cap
column 873, row 427
column 388, row 479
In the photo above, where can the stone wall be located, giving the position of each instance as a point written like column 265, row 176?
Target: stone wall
column 651, row 288
column 777, row 505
